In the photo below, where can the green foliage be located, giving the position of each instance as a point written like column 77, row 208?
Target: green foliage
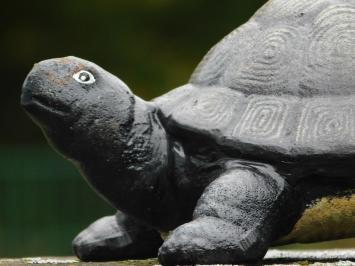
column 44, row 203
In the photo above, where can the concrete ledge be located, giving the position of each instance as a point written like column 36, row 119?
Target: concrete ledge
column 332, row 257
column 310, row 255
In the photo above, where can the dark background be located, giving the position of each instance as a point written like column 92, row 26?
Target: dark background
column 152, row 45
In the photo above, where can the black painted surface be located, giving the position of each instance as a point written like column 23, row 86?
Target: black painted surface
column 221, row 161
column 114, row 237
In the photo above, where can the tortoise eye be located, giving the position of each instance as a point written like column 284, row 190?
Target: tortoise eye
column 84, row 77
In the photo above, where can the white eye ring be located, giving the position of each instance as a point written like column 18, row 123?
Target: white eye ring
column 84, row 77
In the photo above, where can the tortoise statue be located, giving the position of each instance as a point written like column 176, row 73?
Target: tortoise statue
column 257, row 149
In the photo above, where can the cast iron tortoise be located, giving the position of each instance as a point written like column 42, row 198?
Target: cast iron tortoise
column 228, row 163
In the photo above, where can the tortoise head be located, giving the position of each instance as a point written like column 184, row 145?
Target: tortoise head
column 75, row 101
column 114, row 137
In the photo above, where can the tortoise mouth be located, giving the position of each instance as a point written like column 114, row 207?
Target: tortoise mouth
column 38, row 104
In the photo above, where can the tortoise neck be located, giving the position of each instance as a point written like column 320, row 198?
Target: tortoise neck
column 136, row 179
column 146, row 146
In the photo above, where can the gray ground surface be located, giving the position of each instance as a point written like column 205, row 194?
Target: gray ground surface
column 333, row 257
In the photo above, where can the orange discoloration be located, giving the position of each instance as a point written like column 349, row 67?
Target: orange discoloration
column 53, row 77
column 77, row 68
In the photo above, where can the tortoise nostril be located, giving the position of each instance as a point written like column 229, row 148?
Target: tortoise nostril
column 27, row 90
column 26, row 98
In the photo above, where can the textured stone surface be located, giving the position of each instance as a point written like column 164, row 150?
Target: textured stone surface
column 310, row 255
column 344, row 257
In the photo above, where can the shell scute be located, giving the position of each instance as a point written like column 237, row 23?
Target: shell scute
column 211, row 109
column 327, row 124
column 330, row 57
column 264, row 119
column 267, row 65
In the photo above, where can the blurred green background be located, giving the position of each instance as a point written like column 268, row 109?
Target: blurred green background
column 152, row 45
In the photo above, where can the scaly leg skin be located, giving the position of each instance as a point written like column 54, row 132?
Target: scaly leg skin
column 235, row 220
column 116, row 237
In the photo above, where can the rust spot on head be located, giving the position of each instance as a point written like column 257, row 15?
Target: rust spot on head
column 53, row 78
column 78, row 67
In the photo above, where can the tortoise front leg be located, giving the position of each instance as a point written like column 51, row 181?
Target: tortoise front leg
column 235, row 221
column 116, row 237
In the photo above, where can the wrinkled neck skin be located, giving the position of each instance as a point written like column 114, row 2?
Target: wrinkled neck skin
column 128, row 164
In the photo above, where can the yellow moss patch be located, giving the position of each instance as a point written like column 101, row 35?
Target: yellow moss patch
column 327, row 219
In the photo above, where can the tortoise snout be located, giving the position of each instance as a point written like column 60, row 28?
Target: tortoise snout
column 48, row 76
column 42, row 91
column 31, row 86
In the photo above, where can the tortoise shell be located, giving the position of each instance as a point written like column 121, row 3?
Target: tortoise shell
column 284, row 82
column 296, row 47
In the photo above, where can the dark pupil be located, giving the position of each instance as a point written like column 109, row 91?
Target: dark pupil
column 84, row 77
